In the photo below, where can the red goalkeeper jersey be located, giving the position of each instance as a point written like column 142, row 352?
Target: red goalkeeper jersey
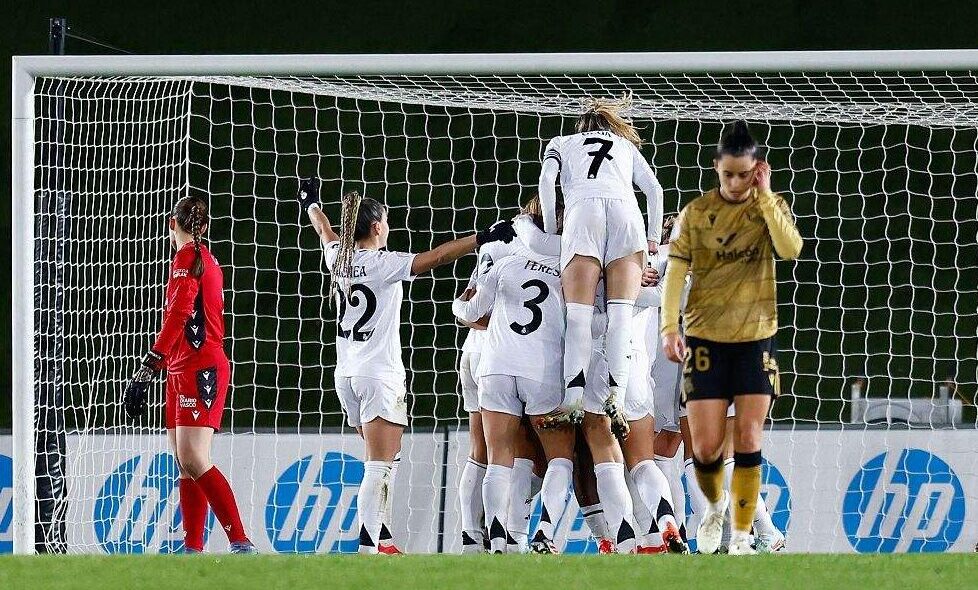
column 192, row 335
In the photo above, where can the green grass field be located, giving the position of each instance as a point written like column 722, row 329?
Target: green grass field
column 504, row 572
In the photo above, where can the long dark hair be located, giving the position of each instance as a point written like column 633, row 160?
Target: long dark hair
column 736, row 140
column 357, row 216
column 191, row 215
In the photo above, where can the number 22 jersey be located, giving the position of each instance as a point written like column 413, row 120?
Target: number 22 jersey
column 525, row 337
column 368, row 321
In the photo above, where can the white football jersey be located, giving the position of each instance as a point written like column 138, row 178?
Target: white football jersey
column 596, row 164
column 368, row 322
column 526, row 330
column 531, row 242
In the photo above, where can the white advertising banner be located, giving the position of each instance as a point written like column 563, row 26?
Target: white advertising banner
column 830, row 491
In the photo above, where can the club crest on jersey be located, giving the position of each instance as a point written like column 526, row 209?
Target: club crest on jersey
column 207, row 386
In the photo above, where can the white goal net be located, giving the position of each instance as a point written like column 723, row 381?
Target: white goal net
column 871, row 446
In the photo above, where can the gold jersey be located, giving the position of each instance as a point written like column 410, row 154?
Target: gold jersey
column 730, row 253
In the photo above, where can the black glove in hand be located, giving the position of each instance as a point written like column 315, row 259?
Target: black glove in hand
column 308, row 192
column 501, row 231
column 134, row 399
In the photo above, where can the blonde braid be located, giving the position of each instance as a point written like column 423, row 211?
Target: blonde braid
column 343, row 267
column 611, row 110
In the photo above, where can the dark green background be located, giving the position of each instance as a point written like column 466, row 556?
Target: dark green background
column 510, row 26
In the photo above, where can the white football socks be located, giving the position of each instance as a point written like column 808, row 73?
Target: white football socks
column 577, row 351
column 617, row 504
column 697, row 500
column 594, row 517
column 376, row 475
column 556, row 484
column 667, row 465
column 520, row 500
column 654, row 489
column 470, row 500
column 618, row 345
column 495, row 495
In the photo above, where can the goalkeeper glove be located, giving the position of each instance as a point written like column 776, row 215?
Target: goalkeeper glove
column 501, row 231
column 308, row 192
column 135, row 396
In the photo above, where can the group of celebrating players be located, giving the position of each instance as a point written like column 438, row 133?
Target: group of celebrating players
column 563, row 376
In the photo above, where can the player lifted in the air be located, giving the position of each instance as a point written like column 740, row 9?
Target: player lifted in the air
column 370, row 377
column 190, row 346
column 603, row 231
column 727, row 241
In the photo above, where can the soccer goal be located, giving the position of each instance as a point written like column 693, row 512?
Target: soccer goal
column 871, row 447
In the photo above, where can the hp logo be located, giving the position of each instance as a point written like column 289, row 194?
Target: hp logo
column 313, row 505
column 904, row 501
column 6, row 504
column 136, row 511
column 571, row 535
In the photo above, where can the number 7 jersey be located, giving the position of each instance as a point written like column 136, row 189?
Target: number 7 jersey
column 525, row 337
column 368, row 321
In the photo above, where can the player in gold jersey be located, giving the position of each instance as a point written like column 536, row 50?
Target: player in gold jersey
column 727, row 241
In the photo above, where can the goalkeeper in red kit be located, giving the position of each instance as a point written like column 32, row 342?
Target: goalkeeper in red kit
column 190, row 347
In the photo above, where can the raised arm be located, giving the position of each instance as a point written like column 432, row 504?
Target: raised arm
column 452, row 251
column 780, row 224
column 644, row 178
column 548, row 188
column 309, row 199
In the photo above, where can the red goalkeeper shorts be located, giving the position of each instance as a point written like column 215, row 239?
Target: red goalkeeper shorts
column 196, row 397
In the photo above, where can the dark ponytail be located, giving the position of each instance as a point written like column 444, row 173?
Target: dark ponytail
column 191, row 215
column 737, row 141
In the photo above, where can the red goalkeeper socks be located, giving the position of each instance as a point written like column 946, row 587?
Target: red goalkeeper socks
column 193, row 511
column 218, row 491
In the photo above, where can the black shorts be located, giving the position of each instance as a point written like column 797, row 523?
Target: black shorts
column 723, row 370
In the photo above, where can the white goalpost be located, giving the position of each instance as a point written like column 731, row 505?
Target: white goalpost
column 871, row 447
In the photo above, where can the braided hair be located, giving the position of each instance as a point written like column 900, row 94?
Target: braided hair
column 604, row 114
column 190, row 214
column 357, row 216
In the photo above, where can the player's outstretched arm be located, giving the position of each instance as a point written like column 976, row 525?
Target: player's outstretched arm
column 501, row 231
column 308, row 197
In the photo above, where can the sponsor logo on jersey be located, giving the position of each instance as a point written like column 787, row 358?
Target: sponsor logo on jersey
column 313, row 505
column 905, row 500
column 774, row 490
column 572, row 534
column 187, row 402
column 180, row 273
column 748, row 255
column 6, row 504
column 137, row 508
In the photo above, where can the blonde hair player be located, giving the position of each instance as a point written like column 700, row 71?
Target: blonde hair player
column 366, row 281
column 727, row 240
column 603, row 233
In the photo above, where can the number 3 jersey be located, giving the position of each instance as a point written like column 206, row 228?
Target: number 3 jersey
column 526, row 330
column 368, row 322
